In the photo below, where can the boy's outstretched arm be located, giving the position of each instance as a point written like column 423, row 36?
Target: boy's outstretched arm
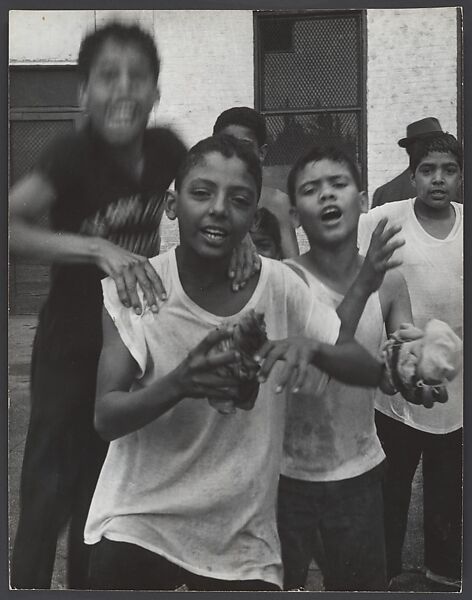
column 378, row 261
column 32, row 199
column 347, row 361
column 119, row 411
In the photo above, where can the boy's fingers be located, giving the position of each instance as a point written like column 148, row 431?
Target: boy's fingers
column 121, row 291
column 393, row 264
column 379, row 227
column 130, row 282
column 301, row 375
column 263, row 351
column 156, row 281
column 146, row 285
column 275, row 354
column 290, row 366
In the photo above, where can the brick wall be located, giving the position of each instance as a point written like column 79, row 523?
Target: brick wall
column 411, row 74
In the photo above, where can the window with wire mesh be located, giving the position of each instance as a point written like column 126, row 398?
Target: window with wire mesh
column 309, row 84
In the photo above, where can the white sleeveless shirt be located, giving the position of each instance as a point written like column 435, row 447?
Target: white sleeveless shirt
column 196, row 486
column 332, row 436
column 433, row 270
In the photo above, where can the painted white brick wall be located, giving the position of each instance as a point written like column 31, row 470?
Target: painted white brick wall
column 49, row 36
column 207, row 66
column 411, row 74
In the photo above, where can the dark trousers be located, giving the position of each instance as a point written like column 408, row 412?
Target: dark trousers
column 340, row 524
column 123, row 566
column 62, row 460
column 442, row 493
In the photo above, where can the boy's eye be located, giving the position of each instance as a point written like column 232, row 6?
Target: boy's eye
column 309, row 189
column 451, row 170
column 108, row 75
column 200, row 193
column 241, row 200
column 340, row 184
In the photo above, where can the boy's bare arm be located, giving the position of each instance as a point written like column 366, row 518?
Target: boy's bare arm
column 119, row 411
column 32, row 199
column 346, row 361
column 395, row 302
column 378, row 261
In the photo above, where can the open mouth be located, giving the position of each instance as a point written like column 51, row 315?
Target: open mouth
column 214, row 234
column 121, row 115
column 331, row 214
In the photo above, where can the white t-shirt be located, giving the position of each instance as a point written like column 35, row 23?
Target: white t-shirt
column 433, row 270
column 195, row 486
column 332, row 435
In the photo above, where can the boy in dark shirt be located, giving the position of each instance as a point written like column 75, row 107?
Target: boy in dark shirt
column 103, row 189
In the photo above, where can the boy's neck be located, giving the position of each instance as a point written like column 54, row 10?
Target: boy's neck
column 207, row 283
column 335, row 265
column 437, row 222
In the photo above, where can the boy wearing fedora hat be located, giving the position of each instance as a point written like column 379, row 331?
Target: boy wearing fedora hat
column 432, row 227
column 400, row 187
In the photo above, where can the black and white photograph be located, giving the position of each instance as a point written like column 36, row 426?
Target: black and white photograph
column 235, row 299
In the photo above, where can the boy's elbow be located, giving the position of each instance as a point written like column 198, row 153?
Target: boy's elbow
column 102, row 424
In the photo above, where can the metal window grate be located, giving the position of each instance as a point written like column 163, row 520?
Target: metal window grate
column 309, row 73
column 28, row 139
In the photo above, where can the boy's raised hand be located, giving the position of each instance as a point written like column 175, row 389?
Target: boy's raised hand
column 378, row 260
column 128, row 270
column 198, row 375
column 245, row 261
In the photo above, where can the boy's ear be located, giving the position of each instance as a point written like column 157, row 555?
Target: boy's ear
column 294, row 217
column 171, row 204
column 363, row 201
column 262, row 152
column 413, row 180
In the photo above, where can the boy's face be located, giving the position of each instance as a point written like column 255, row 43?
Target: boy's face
column 246, row 135
column 437, row 179
column 215, row 206
column 265, row 245
column 328, row 202
column 120, row 92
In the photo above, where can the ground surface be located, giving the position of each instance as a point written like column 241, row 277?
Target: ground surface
column 21, row 332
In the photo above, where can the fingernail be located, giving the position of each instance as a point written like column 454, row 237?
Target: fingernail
column 243, row 284
column 154, row 308
column 126, row 304
column 257, row 358
column 164, row 296
column 235, row 287
column 296, row 390
column 261, row 378
column 137, row 311
column 278, row 389
column 231, row 274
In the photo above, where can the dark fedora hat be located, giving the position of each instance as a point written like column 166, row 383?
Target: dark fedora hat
column 418, row 129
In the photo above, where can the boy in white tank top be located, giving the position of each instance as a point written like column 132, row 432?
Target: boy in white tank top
column 432, row 226
column 330, row 495
column 187, row 496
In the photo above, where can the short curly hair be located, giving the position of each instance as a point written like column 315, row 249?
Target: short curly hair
column 245, row 117
column 441, row 142
column 228, row 147
column 123, row 34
